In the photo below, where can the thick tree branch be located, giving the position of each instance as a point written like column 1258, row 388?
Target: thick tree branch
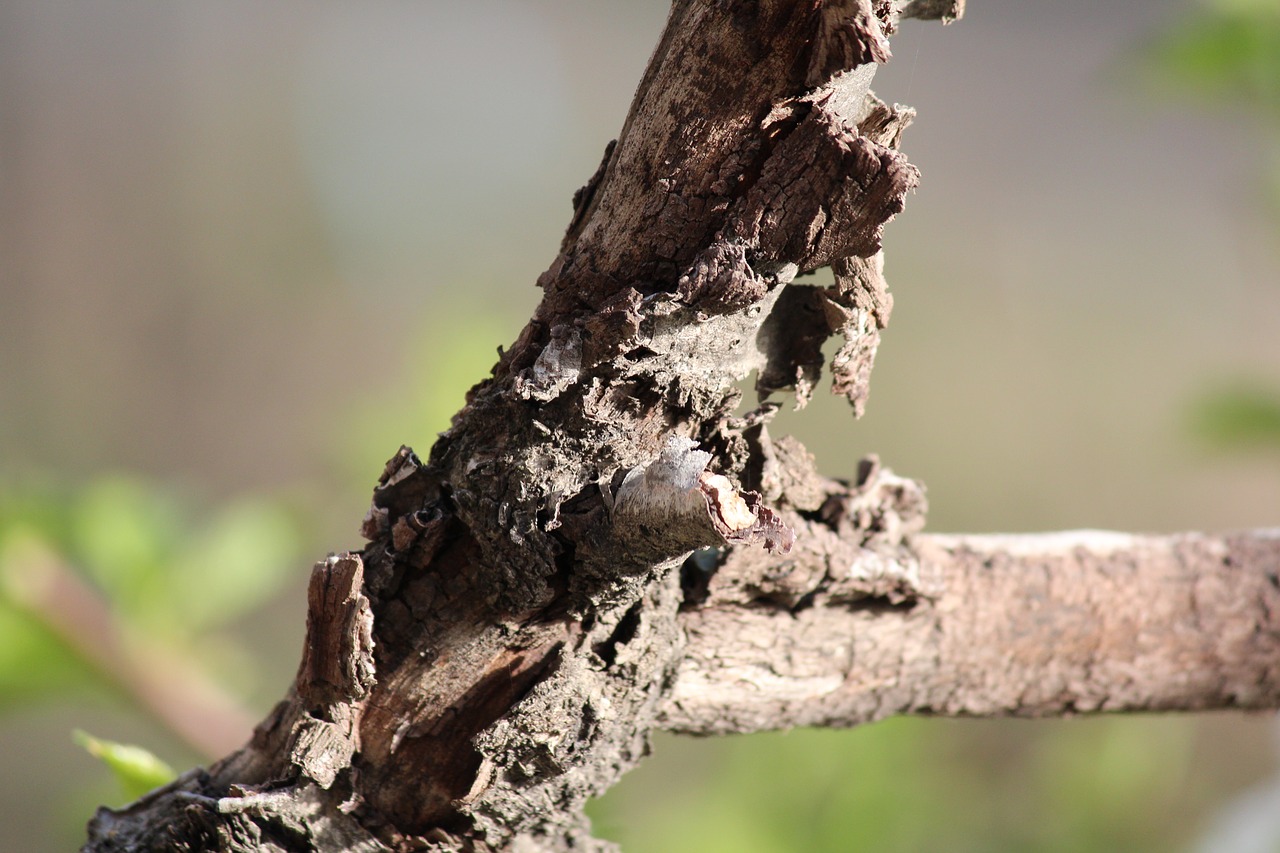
column 1018, row 625
column 579, row 559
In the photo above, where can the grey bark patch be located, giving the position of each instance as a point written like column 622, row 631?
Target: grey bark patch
column 558, row 366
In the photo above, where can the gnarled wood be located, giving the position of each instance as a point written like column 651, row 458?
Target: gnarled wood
column 580, row 560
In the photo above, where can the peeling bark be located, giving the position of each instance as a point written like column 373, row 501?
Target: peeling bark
column 599, row 546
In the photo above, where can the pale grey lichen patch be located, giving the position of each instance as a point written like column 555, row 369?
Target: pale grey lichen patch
column 703, row 349
column 666, row 486
column 556, row 369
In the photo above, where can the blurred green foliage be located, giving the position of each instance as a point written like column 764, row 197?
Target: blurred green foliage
column 446, row 358
column 170, row 573
column 145, row 567
column 166, row 569
column 1226, row 54
column 167, row 574
column 34, row 662
column 912, row 784
column 1242, row 417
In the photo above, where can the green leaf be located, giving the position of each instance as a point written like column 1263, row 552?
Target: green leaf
column 136, row 769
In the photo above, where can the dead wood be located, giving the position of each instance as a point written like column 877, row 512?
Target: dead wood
column 600, row 546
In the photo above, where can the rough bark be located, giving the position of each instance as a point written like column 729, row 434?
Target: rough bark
column 599, row 546
column 1027, row 625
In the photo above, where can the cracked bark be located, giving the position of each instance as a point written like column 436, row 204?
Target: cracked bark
column 599, row 547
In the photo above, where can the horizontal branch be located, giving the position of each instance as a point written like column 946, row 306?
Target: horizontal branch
column 1010, row 625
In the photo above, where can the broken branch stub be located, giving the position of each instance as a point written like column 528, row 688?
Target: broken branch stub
column 676, row 490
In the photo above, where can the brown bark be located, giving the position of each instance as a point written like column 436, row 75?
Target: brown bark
column 1030, row 625
column 599, row 547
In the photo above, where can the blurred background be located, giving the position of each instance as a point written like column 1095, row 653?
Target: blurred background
column 247, row 250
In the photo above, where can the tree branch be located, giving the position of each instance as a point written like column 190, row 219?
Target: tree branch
column 578, row 561
column 1014, row 625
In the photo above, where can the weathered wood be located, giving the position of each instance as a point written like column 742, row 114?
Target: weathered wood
column 1014, row 625
column 599, row 546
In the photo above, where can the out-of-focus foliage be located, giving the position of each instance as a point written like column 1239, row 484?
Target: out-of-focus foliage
column 909, row 785
column 446, row 359
column 171, row 574
column 161, row 573
column 1239, row 418
column 1226, row 53
column 136, row 769
column 34, row 662
column 163, row 567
